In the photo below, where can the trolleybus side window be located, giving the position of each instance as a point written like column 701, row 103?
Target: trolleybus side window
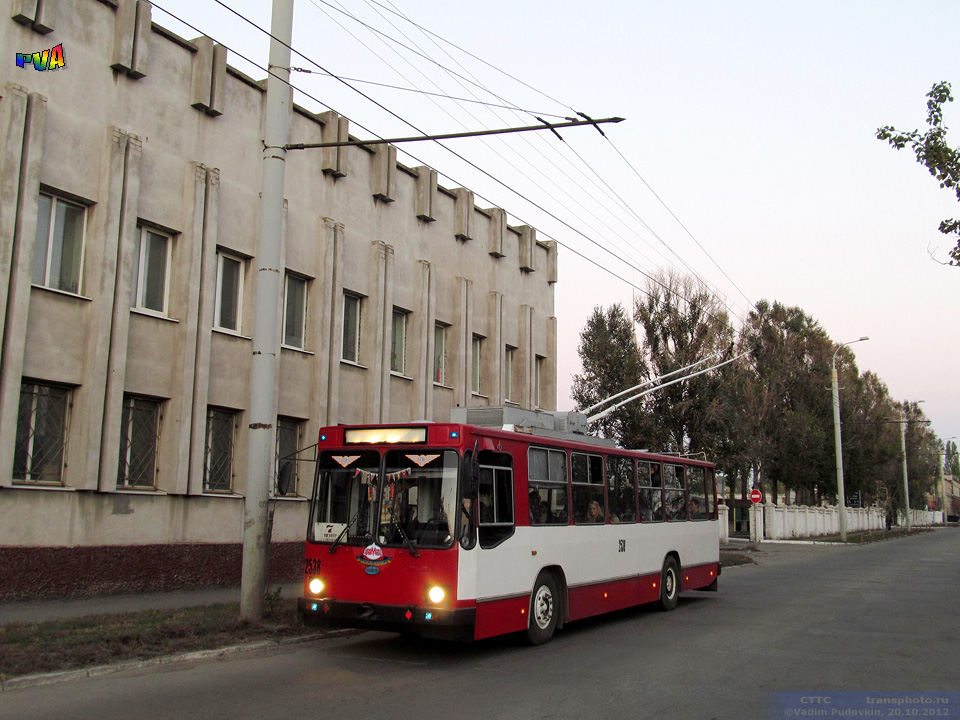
column 547, row 485
column 674, row 500
column 588, row 498
column 495, row 495
column 696, row 493
column 651, row 492
column 621, row 489
column 345, row 491
column 711, row 494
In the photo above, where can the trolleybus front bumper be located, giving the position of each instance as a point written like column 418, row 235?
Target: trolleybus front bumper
column 428, row 622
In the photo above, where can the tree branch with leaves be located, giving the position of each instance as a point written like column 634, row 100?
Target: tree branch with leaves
column 934, row 153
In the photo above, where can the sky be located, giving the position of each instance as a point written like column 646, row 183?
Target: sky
column 747, row 155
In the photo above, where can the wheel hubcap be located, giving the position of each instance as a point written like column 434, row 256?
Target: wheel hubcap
column 669, row 583
column 543, row 607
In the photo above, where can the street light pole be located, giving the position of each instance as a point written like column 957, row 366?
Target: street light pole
column 906, row 486
column 841, row 498
column 903, row 449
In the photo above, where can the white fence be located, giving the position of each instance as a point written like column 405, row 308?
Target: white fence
column 787, row 522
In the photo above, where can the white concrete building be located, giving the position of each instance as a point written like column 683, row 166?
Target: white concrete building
column 129, row 199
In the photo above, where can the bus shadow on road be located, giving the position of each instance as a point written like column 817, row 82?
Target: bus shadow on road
column 412, row 650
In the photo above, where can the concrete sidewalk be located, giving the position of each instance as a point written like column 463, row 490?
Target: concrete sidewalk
column 41, row 610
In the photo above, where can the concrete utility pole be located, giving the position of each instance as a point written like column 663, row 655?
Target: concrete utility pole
column 841, row 498
column 256, row 503
column 906, row 486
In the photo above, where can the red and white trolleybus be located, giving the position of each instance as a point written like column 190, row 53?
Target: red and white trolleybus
column 465, row 531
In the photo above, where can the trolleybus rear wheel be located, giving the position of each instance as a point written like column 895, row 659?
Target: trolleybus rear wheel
column 669, row 584
column 544, row 607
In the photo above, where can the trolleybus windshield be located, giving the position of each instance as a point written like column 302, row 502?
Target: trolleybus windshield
column 401, row 498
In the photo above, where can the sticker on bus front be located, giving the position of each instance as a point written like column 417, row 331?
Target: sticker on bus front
column 331, row 531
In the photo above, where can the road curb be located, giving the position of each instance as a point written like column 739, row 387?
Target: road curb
column 30, row 681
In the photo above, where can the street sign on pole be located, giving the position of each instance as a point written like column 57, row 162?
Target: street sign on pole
column 756, row 496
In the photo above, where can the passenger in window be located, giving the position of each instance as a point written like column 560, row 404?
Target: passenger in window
column 560, row 515
column 694, row 507
column 536, row 516
column 486, row 508
column 545, row 517
column 594, row 512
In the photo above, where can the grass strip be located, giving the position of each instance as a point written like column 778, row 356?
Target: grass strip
column 56, row 645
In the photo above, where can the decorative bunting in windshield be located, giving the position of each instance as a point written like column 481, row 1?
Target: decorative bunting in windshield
column 370, row 478
column 346, row 460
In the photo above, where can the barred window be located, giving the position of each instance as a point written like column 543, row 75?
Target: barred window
column 289, row 433
column 41, row 433
column 218, row 456
column 139, row 442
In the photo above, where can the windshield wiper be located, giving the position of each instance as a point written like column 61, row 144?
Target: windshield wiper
column 406, row 540
column 344, row 531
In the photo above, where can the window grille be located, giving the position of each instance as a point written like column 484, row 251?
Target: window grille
column 218, row 460
column 139, row 442
column 41, row 433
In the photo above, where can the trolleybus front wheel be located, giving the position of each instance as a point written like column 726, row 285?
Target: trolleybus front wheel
column 669, row 584
column 544, row 606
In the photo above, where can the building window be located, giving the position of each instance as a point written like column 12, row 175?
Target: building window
column 508, row 373
column 398, row 347
column 139, row 442
column 289, row 433
column 41, row 433
column 476, row 355
column 538, row 381
column 295, row 312
column 152, row 256
column 229, row 292
column 218, row 455
column 58, row 251
column 440, row 354
column 351, row 328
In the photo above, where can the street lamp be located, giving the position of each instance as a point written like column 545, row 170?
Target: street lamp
column 836, row 437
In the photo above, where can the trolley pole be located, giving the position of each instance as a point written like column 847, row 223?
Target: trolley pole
column 256, row 503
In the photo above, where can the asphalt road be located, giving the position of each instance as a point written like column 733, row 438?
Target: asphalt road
column 806, row 618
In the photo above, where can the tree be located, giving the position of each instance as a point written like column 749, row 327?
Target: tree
column 932, row 152
column 787, row 403
column 871, row 443
column 951, row 460
column 682, row 322
column 611, row 363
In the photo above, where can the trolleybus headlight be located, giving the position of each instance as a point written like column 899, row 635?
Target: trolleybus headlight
column 316, row 586
column 436, row 594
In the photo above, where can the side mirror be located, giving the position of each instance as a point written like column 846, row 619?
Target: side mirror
column 286, row 480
